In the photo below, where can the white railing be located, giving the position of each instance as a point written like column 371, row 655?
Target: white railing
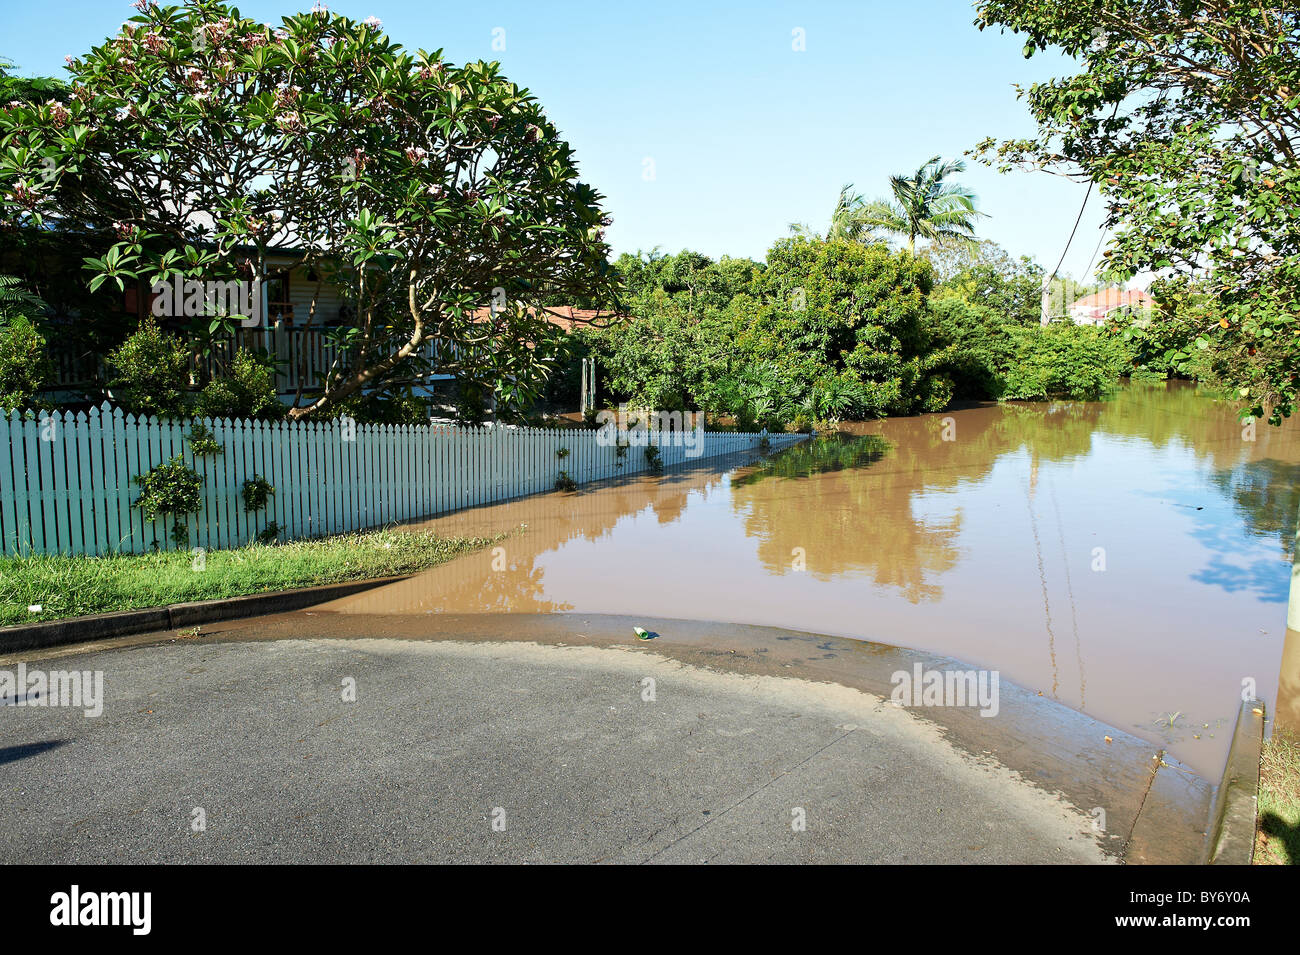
column 303, row 357
column 66, row 479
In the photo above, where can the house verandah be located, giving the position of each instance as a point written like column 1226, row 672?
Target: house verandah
column 300, row 310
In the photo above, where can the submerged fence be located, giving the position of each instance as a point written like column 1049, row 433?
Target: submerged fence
column 66, row 480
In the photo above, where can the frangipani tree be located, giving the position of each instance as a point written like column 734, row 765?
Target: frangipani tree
column 202, row 141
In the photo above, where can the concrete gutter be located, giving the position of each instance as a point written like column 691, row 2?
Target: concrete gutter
column 1231, row 832
column 102, row 626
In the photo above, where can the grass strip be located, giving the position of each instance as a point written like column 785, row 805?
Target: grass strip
column 69, row 586
column 1277, row 837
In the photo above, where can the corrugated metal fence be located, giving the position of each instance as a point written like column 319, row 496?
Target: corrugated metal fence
column 66, row 479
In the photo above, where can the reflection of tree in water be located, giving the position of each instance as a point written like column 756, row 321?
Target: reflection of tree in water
column 469, row 584
column 831, row 453
column 1265, row 496
column 517, row 589
column 1256, row 470
column 847, row 501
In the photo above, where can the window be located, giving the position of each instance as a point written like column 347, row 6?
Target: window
column 278, row 305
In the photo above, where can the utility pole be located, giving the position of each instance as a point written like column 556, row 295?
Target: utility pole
column 1286, row 712
column 588, row 385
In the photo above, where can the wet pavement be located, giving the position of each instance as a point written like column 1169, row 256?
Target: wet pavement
column 563, row 738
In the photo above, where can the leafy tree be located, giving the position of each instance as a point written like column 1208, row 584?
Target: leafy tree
column 30, row 89
column 924, row 206
column 205, row 140
column 666, row 358
column 839, row 308
column 985, row 274
column 640, row 272
column 1186, row 116
column 698, row 281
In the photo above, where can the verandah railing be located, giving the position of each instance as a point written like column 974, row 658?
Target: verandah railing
column 66, row 479
column 302, row 357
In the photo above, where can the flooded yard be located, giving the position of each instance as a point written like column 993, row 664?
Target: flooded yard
column 1128, row 558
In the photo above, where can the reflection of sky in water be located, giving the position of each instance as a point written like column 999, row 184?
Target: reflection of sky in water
column 1237, row 552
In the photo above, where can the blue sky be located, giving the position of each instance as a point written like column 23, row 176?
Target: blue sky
column 746, row 134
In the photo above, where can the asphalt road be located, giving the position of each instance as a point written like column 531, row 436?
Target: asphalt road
column 487, row 751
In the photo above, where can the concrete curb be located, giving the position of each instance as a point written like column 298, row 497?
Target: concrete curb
column 35, row 636
column 1231, row 832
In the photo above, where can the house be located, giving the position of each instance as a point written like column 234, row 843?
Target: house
column 299, row 309
column 1097, row 308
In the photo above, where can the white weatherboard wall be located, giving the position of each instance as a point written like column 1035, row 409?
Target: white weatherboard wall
column 66, row 480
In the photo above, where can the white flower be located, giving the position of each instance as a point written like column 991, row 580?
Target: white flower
column 373, row 22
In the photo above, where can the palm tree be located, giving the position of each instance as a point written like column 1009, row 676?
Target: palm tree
column 924, row 206
column 846, row 222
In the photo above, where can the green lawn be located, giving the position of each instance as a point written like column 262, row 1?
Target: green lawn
column 1278, row 839
column 75, row 586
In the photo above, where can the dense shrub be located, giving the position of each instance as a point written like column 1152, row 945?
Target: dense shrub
column 827, row 330
column 1063, row 360
column 979, row 344
column 396, row 406
column 471, row 403
column 24, row 363
column 256, row 493
column 171, row 490
column 151, row 372
column 248, row 391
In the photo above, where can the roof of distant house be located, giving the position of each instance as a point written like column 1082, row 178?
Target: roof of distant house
column 566, row 317
column 1111, row 298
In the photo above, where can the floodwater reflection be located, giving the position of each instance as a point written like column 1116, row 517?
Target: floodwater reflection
column 1129, row 558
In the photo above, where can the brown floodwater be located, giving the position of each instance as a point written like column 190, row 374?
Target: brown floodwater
column 1128, row 558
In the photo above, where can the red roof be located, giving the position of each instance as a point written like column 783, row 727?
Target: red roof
column 565, row 316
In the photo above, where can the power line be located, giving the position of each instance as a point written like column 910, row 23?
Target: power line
column 1077, row 220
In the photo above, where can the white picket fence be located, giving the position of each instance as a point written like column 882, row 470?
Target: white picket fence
column 66, row 479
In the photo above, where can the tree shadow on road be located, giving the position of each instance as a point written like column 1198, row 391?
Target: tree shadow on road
column 12, row 754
